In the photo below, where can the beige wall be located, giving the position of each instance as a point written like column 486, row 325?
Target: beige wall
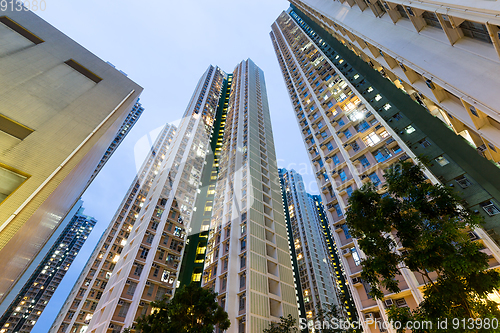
column 70, row 114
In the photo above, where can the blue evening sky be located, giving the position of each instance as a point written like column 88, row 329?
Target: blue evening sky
column 165, row 46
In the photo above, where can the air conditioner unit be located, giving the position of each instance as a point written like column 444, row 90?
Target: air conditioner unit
column 111, row 325
column 388, row 302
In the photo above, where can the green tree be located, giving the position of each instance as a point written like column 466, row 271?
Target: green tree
column 192, row 310
column 336, row 318
column 286, row 325
column 428, row 222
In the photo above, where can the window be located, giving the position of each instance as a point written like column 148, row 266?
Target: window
column 492, row 147
column 347, row 133
column 13, row 128
column 490, row 208
column 371, row 139
column 243, row 261
column 409, row 129
column 374, row 178
column 329, row 104
column 362, row 126
column 123, row 310
column 338, row 209
column 442, row 161
column 144, row 253
column 349, row 191
column 364, row 161
column 315, row 116
column 355, row 256
column 382, row 154
column 354, row 146
column 320, row 125
column 20, row 30
column 335, row 159
column 378, row 97
column 329, row 146
column 397, row 149
column 397, row 116
column 243, row 280
column 342, row 175
column 346, row 231
column 138, row 269
column 9, row 181
column 242, row 299
column 370, row 89
column 82, row 70
column 463, row 181
column 323, row 135
column 224, row 282
column 473, row 111
column 424, row 143
column 341, row 122
column 243, row 243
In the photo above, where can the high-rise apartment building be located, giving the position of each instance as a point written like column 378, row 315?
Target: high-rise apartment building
column 442, row 54
column 61, row 108
column 122, row 132
column 340, row 274
column 218, row 175
column 24, row 311
column 248, row 260
column 87, row 291
column 316, row 274
column 355, row 124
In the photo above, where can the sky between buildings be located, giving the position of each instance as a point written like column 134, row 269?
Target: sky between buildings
column 165, row 46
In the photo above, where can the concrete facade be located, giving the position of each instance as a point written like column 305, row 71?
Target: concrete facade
column 61, row 109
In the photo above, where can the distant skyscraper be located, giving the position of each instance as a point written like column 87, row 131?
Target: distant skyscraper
column 122, row 132
column 356, row 124
column 87, row 291
column 248, row 260
column 316, row 273
column 26, row 308
column 217, row 181
column 61, row 109
column 440, row 54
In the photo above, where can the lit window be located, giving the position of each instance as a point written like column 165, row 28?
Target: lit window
column 370, row 89
column 371, row 139
column 409, row 129
column 442, row 161
column 387, row 106
column 378, row 97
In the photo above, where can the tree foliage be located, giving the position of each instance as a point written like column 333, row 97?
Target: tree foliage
column 428, row 225
column 286, row 325
column 336, row 318
column 192, row 310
